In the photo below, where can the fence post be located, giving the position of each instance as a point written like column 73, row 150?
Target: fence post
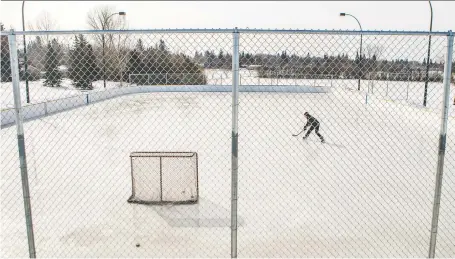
column 21, row 142
column 235, row 141
column 442, row 145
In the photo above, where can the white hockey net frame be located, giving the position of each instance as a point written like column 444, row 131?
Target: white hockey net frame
column 160, row 197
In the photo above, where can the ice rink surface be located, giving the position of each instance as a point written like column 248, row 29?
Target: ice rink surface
column 367, row 192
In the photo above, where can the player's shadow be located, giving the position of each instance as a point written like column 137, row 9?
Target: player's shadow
column 326, row 143
column 203, row 214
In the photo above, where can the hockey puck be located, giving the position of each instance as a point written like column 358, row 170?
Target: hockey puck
column 138, row 245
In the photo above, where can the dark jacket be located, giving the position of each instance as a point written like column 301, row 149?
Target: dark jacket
column 311, row 121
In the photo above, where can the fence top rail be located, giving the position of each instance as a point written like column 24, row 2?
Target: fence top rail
column 247, row 30
column 345, row 32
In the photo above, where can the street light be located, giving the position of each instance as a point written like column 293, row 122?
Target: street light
column 360, row 57
column 27, row 95
column 103, row 24
column 428, row 59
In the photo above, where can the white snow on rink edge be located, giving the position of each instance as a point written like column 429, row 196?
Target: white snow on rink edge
column 367, row 193
column 393, row 90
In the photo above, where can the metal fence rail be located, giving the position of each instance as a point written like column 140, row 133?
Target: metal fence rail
column 255, row 105
column 230, row 30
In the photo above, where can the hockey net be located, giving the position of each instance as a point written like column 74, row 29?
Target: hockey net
column 164, row 177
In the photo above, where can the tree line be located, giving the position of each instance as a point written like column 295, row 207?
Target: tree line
column 104, row 56
column 82, row 61
column 284, row 65
column 84, row 66
column 161, row 66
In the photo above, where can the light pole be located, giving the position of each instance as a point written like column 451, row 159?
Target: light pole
column 360, row 57
column 428, row 59
column 103, row 24
column 27, row 95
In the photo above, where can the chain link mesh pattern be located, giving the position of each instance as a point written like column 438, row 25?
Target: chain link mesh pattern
column 366, row 192
column 446, row 230
column 79, row 152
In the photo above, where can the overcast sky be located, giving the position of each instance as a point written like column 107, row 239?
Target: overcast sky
column 384, row 15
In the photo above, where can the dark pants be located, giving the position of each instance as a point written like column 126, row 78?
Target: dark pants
column 316, row 129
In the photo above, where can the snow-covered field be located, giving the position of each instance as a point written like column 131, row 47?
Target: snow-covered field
column 410, row 92
column 368, row 192
column 39, row 93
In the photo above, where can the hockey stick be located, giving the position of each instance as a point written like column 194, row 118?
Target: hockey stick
column 295, row 135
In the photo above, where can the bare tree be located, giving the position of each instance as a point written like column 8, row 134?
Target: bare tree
column 373, row 53
column 44, row 22
column 37, row 45
column 373, row 50
column 105, row 18
column 113, row 46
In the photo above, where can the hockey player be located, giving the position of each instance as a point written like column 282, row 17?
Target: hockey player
column 313, row 123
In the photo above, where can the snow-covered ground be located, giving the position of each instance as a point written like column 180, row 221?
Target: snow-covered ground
column 409, row 92
column 39, row 93
column 368, row 192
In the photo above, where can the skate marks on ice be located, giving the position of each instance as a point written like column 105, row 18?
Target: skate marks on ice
column 318, row 141
column 205, row 213
column 325, row 143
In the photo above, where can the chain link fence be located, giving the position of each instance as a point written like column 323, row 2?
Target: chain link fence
column 188, row 143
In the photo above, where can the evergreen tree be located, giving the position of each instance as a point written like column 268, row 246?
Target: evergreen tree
column 58, row 50
column 284, row 57
column 220, row 55
column 162, row 46
column 135, row 65
column 209, row 59
column 36, row 53
column 83, row 67
column 180, row 68
column 5, row 58
column 76, row 64
column 140, row 46
column 53, row 75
